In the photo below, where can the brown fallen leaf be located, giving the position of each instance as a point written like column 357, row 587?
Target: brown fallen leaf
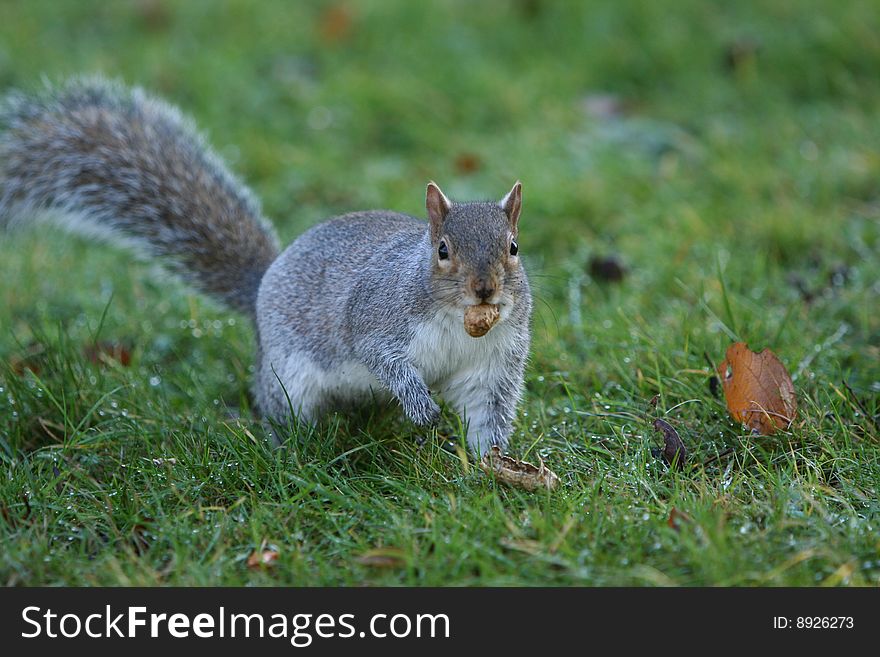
column 12, row 519
column 674, row 451
column 335, row 24
column 519, row 474
column 262, row 559
column 607, row 269
column 154, row 14
column 677, row 518
column 758, row 389
column 468, row 163
column 140, row 540
column 387, row 557
column 30, row 360
column 100, row 353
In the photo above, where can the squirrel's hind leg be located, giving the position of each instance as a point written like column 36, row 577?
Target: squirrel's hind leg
column 290, row 387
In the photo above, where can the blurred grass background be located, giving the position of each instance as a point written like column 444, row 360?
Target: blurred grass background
column 724, row 155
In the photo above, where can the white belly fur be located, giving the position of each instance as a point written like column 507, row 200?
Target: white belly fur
column 444, row 353
column 449, row 360
column 314, row 389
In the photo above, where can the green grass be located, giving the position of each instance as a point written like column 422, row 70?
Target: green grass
column 744, row 202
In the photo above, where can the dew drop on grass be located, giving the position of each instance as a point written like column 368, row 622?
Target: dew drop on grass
column 155, row 381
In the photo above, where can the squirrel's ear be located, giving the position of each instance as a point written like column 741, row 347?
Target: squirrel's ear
column 512, row 204
column 438, row 206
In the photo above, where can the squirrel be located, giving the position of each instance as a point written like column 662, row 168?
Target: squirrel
column 363, row 307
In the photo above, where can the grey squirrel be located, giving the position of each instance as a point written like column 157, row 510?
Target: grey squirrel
column 364, row 306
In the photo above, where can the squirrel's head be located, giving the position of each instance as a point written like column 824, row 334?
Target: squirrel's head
column 475, row 251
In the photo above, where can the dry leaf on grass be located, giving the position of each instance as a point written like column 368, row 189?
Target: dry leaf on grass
column 758, row 389
column 674, row 451
column 335, row 24
column 387, row 557
column 608, row 269
column 30, row 360
column 518, row 474
column 13, row 520
column 140, row 537
column 100, row 353
column 677, row 518
column 262, row 559
column 468, row 163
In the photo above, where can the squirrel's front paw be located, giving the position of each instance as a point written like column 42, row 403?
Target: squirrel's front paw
column 425, row 412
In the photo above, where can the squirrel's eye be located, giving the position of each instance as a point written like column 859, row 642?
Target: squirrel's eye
column 514, row 248
column 443, row 251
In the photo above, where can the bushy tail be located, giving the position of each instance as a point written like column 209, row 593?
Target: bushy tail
column 112, row 162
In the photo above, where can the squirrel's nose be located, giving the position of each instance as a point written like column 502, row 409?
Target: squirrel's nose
column 483, row 289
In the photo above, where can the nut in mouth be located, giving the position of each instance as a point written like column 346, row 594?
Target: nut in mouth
column 479, row 319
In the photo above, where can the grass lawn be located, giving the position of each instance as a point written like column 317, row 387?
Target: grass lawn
column 725, row 153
